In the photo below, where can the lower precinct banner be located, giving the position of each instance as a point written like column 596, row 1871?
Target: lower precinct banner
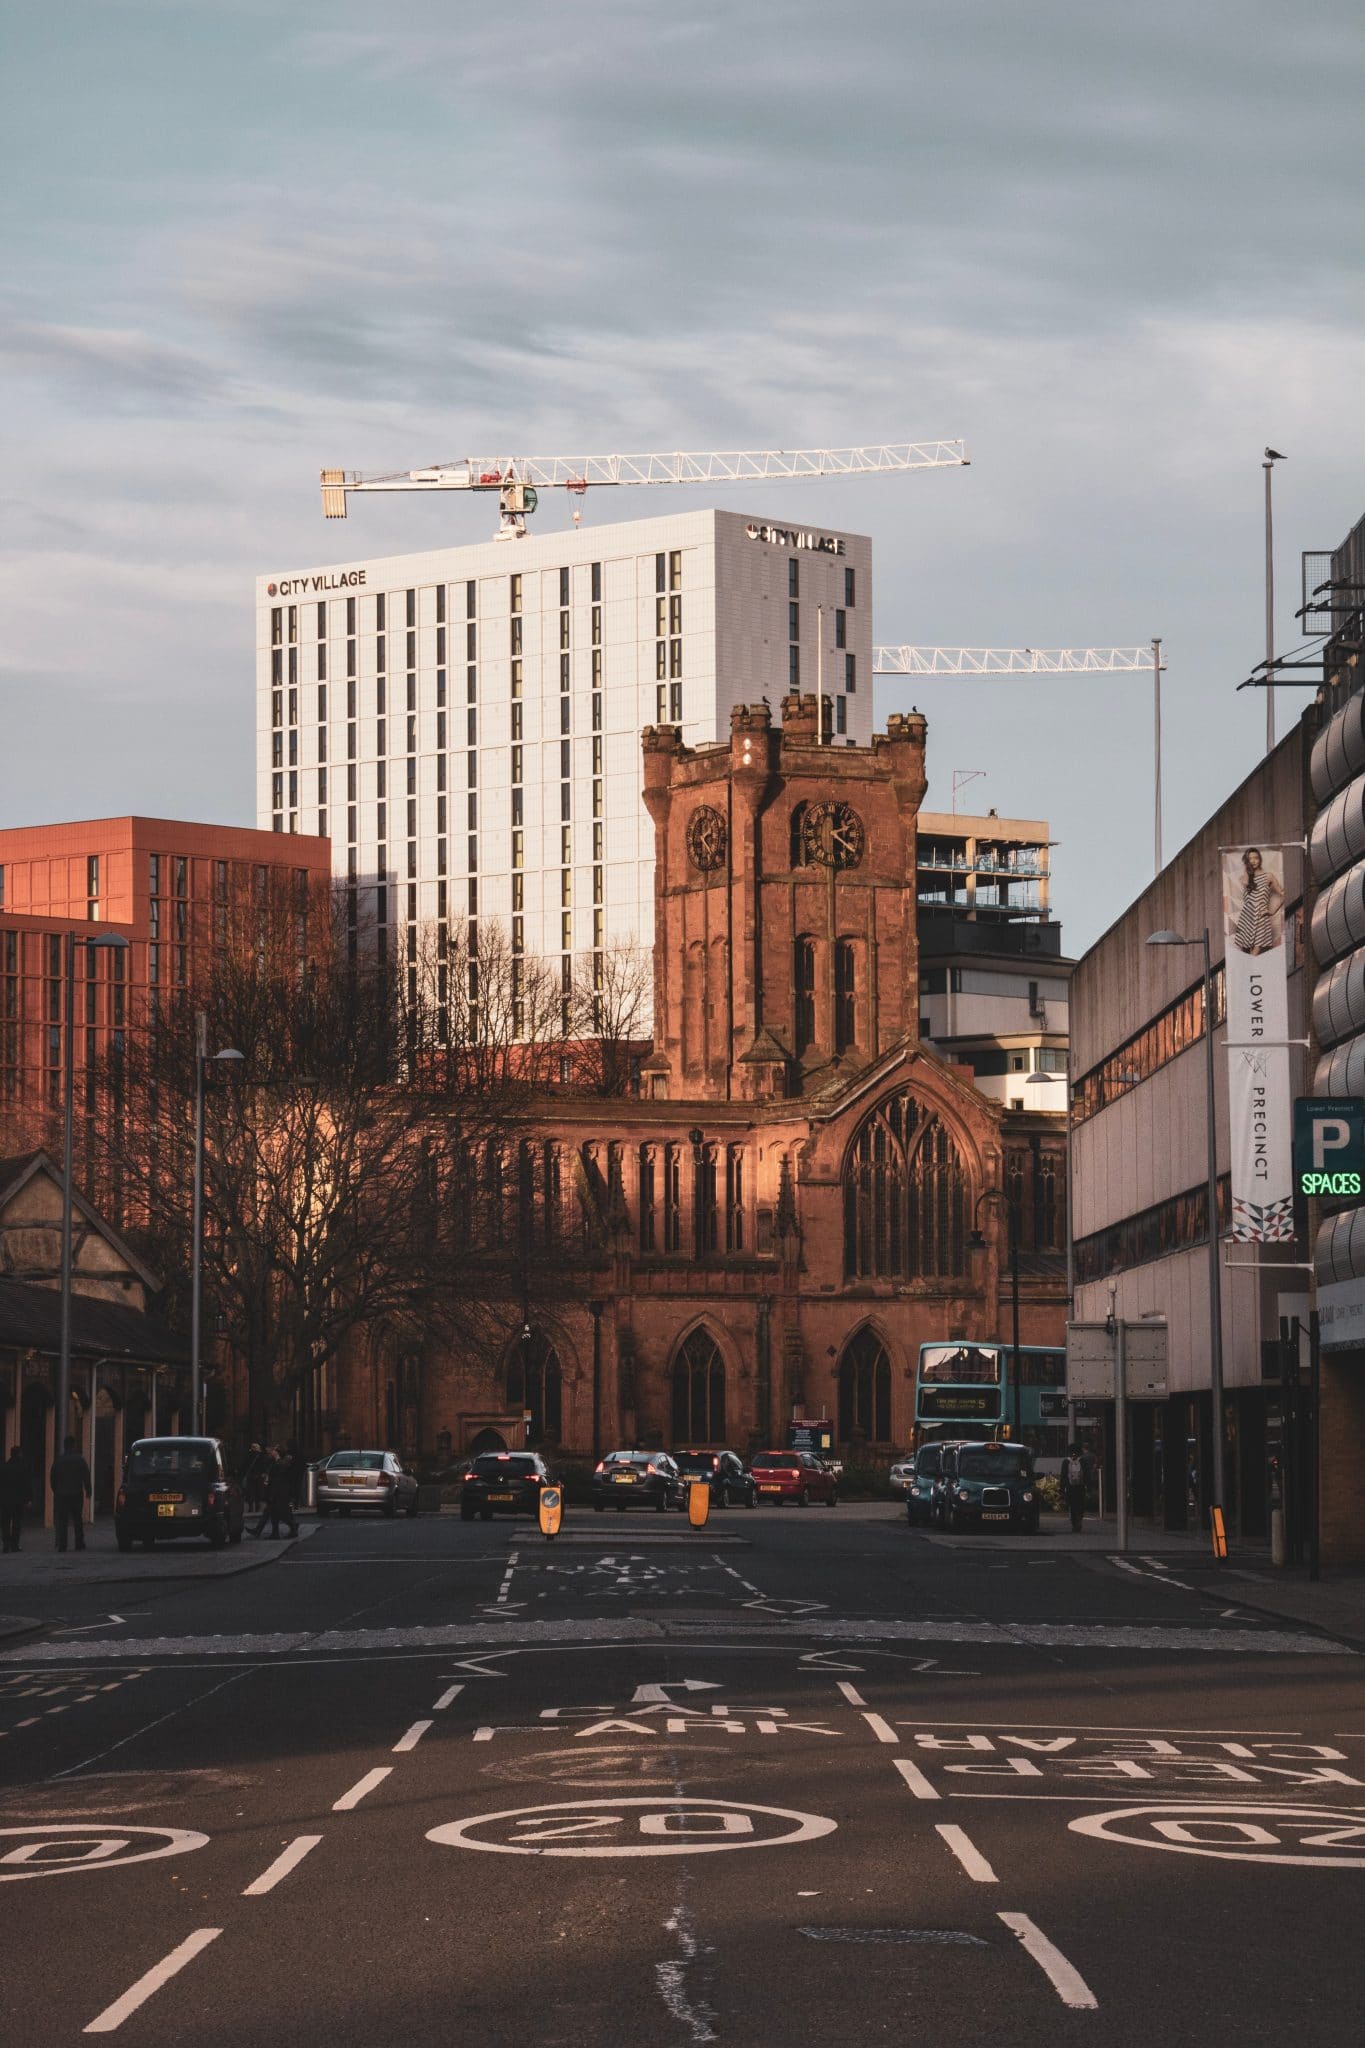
column 1262, row 1159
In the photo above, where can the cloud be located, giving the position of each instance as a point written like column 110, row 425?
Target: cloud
column 111, row 366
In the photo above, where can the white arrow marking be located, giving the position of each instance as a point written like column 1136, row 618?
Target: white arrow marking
column 825, row 1660
column 479, row 1667
column 658, row 1694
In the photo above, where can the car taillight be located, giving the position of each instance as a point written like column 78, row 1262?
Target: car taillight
column 652, row 1468
column 122, row 1500
column 388, row 1480
column 601, row 1465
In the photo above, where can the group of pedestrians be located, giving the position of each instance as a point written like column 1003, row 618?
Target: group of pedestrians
column 271, row 1482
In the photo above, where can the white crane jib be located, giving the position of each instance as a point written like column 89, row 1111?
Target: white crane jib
column 1010, row 661
column 518, row 479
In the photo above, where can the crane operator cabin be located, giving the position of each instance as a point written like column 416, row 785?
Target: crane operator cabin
column 464, row 723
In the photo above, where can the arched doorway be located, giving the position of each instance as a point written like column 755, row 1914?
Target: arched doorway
column 487, row 1440
column 534, row 1383
column 865, row 1389
column 699, row 1391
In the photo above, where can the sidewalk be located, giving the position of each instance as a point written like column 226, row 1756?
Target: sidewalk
column 40, row 1566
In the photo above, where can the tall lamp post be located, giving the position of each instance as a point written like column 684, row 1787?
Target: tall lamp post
column 201, row 1059
column 1272, row 456
column 1168, row 938
column 112, row 942
column 977, row 1243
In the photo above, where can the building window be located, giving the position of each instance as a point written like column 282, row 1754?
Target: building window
column 534, row 1382
column 803, row 967
column 851, row 673
column 706, row 1230
column 865, row 1390
column 793, row 577
column 699, row 1392
column 905, row 1196
column 841, row 629
column 848, row 588
column 672, row 1195
column 841, row 714
column 844, row 997
column 734, row 1198
column 794, row 667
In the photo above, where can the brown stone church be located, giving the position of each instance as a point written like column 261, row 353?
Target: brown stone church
column 780, row 1218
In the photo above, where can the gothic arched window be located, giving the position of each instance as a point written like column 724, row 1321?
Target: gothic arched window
column 803, row 974
column 699, row 1392
column 534, row 1382
column 865, row 1389
column 905, row 1196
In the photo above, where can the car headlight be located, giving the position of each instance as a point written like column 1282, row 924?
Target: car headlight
column 963, row 1494
column 1028, row 1496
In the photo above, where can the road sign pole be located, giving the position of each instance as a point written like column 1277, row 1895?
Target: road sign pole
column 1121, row 1429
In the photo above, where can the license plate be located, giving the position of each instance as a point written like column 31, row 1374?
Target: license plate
column 994, row 1515
column 354, row 1479
column 625, row 1479
column 770, row 1489
column 165, row 1508
column 501, row 1497
column 157, row 1498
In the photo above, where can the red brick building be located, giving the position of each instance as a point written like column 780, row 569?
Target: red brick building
column 782, row 1217
column 171, row 889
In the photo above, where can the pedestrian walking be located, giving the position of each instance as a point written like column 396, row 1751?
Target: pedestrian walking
column 1074, row 1481
column 279, row 1504
column 70, row 1477
column 16, row 1491
column 265, row 1466
column 251, row 1477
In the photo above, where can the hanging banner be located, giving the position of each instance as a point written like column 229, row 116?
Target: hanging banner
column 1254, row 951
column 1262, row 1159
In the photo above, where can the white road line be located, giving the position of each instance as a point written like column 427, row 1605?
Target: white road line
column 289, row 1859
column 451, row 1692
column 361, row 1787
column 915, row 1778
column 411, row 1739
column 1124, row 1566
column 883, row 1730
column 851, row 1694
column 1065, row 1978
column 114, row 2015
column 505, row 1588
column 967, row 1853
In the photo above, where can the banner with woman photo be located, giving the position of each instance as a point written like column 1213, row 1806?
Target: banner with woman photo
column 1256, row 981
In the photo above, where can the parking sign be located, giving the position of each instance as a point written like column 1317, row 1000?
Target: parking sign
column 1329, row 1145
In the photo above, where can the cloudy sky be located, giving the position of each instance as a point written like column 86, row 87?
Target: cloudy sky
column 1117, row 249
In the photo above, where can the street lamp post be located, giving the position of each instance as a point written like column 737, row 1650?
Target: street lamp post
column 1272, row 456
column 1169, row 938
column 112, row 942
column 977, row 1243
column 201, row 1059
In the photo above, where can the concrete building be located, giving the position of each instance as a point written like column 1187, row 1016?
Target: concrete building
column 464, row 723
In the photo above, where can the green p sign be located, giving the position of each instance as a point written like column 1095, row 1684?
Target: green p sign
column 1329, row 1145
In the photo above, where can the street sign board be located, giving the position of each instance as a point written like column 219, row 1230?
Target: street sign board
column 1090, row 1349
column 1329, row 1145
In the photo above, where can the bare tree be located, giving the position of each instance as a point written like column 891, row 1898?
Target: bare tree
column 610, row 1017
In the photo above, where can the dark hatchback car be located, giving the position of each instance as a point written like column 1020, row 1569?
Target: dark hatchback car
column 177, row 1486
column 637, row 1479
column 989, row 1485
column 922, row 1485
column 731, row 1486
column 503, row 1483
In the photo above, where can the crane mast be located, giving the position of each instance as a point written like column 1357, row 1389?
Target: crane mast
column 519, row 479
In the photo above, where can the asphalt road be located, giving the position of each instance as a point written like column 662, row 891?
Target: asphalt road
column 798, row 1777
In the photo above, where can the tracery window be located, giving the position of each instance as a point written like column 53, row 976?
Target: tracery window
column 865, row 1389
column 905, row 1196
column 699, row 1392
column 534, row 1381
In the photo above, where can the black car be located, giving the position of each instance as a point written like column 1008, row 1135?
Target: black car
column 731, row 1485
column 503, row 1483
column 177, row 1486
column 637, row 1479
column 986, row 1485
column 922, row 1485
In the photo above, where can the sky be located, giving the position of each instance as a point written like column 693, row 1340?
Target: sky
column 1117, row 250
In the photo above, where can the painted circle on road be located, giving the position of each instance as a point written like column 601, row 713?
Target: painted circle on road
column 48, row 1848
column 1313, row 1837
column 663, row 1825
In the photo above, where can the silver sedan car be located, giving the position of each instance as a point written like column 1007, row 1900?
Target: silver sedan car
column 365, row 1479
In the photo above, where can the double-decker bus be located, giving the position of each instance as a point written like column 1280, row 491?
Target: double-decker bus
column 967, row 1390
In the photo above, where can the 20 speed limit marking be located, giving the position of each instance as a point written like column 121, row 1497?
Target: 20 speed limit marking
column 657, row 1826
column 1312, row 1837
column 48, row 1848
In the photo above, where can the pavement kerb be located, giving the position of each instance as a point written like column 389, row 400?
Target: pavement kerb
column 252, row 1554
column 14, row 1627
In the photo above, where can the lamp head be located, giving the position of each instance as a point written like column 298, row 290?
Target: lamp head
column 1169, row 938
column 977, row 1241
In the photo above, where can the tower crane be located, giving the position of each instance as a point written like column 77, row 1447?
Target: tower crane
column 1038, row 661
column 519, row 479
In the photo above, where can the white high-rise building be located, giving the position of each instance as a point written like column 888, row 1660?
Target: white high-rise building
column 465, row 723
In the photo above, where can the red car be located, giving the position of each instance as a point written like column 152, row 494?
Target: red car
column 793, row 1475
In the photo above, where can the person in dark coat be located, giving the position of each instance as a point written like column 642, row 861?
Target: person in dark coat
column 16, row 1491
column 279, row 1494
column 71, row 1489
column 252, row 1476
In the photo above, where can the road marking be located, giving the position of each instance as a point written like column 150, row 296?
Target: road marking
column 411, row 1739
column 659, row 1694
column 452, row 1692
column 944, row 1937
column 1237, row 1834
column 1161, row 1573
column 505, row 1588
column 137, row 1994
column 289, row 1859
column 825, row 1660
column 1065, row 1979
column 915, row 1778
column 61, row 1848
column 362, row 1786
column 160, row 1721
column 882, row 1729
column 669, row 1825
column 967, row 1853
column 850, row 1693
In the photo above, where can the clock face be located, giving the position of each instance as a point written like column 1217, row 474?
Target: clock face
column 706, row 839
column 832, row 835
